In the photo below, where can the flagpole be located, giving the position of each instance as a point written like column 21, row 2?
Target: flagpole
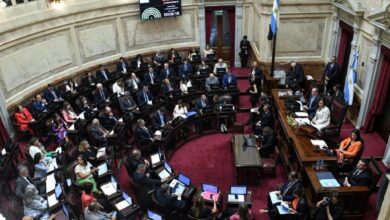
column 273, row 55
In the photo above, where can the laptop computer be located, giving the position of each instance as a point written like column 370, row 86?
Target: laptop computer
column 239, row 190
column 177, row 187
column 166, row 172
column 204, row 71
column 210, row 192
column 196, row 58
column 58, row 190
column 127, row 198
column 153, row 216
column 184, row 179
column 155, row 159
column 210, row 56
column 209, row 188
column 102, row 169
column 221, row 71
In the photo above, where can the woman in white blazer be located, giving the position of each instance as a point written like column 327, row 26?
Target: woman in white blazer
column 322, row 117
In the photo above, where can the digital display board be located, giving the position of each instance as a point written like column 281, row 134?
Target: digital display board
column 154, row 9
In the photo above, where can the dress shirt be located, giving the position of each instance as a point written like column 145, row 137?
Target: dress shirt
column 104, row 74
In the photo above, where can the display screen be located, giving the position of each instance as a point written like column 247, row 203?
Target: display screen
column 154, row 9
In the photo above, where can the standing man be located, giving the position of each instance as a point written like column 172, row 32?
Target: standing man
column 331, row 74
column 244, row 53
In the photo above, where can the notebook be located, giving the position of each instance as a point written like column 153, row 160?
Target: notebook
column 327, row 179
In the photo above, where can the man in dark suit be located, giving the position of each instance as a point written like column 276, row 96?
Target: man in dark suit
column 245, row 46
column 312, row 102
column 201, row 103
column 24, row 180
column 127, row 103
column 51, row 94
column 107, row 119
column 143, row 134
column 144, row 180
column 359, row 176
column 101, row 96
column 88, row 80
column 331, row 74
column 98, row 132
column 337, row 93
column 150, row 78
column 256, row 75
column 168, row 200
column 144, row 96
column 159, row 119
column 268, row 142
column 185, row 69
column 286, row 192
column 135, row 160
column 229, row 79
column 167, row 88
column 122, row 66
column 102, row 74
column 166, row 72
column 296, row 75
column 39, row 106
column 266, row 120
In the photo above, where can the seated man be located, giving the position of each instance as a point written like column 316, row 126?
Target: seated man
column 122, row 66
column 359, row 176
column 220, row 65
column 166, row 72
column 229, row 80
column 312, row 102
column 144, row 180
column 168, row 200
column 296, row 76
column 107, row 119
column 266, row 120
column 39, row 106
column 211, row 80
column 101, row 96
column 268, row 142
column 98, row 132
column 294, row 183
column 84, row 105
column 159, row 119
column 127, row 103
column 185, row 69
column 136, row 159
column 92, row 212
column 150, row 78
column 143, row 134
column 88, row 80
column 51, row 94
column 158, row 58
column 337, row 93
column 167, row 88
column 201, row 103
column 133, row 83
column 24, row 180
column 144, row 96
column 102, row 74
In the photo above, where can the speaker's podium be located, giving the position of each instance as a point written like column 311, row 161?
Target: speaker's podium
column 246, row 159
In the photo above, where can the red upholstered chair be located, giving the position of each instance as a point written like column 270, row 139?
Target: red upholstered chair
column 376, row 173
column 269, row 163
column 15, row 206
column 337, row 113
column 238, row 128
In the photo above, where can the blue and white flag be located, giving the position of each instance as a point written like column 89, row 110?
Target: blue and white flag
column 351, row 79
column 275, row 16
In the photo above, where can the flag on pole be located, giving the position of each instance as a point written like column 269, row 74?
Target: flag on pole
column 351, row 80
column 275, row 17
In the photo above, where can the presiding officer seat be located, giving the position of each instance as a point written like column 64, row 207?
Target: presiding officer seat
column 338, row 111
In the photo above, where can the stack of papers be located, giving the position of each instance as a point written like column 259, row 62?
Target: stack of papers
column 108, row 189
column 52, row 200
column 81, row 116
column 302, row 114
column 302, row 121
column 122, row 205
column 236, row 198
column 50, row 183
column 320, row 143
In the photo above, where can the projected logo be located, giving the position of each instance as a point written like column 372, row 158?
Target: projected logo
column 151, row 13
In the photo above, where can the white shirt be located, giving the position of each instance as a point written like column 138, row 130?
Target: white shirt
column 67, row 87
column 83, row 170
column 184, row 87
column 118, row 90
column 179, row 111
column 322, row 118
column 34, row 150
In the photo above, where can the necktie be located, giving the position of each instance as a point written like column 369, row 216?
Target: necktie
column 311, row 101
column 151, row 78
column 167, row 72
column 229, row 79
column 203, row 104
column 146, row 97
column 54, row 94
column 29, row 183
column 124, row 67
column 104, row 74
column 102, row 94
column 147, row 131
column 161, row 119
column 357, row 172
column 185, row 67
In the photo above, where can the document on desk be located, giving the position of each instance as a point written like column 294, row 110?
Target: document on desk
column 50, row 183
column 321, row 143
column 52, row 200
column 122, row 205
column 302, row 114
column 274, row 197
column 155, row 158
column 108, row 189
column 236, row 198
column 255, row 110
column 81, row 116
column 71, row 128
column 282, row 210
column 302, row 121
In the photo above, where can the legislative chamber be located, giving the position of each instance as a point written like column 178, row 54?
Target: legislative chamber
column 194, row 109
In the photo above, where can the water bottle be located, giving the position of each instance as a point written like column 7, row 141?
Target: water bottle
column 317, row 164
column 322, row 164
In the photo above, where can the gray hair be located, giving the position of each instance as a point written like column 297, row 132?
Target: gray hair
column 22, row 168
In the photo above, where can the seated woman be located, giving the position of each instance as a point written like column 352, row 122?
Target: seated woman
column 184, row 85
column 203, row 66
column 68, row 114
column 243, row 213
column 34, row 205
column 298, row 208
column 35, row 147
column 71, row 86
column 254, row 98
column 201, row 211
column 84, row 172
column 41, row 166
column 84, row 105
column 322, row 117
column 268, row 142
column 59, row 127
column 92, row 154
column 207, row 51
column 350, row 147
column 23, row 118
column 119, row 87
column 87, row 196
column 179, row 109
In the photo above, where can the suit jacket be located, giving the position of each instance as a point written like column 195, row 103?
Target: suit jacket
column 302, row 209
column 86, row 81
column 143, row 135
column 353, row 148
column 84, row 108
column 164, row 73
column 133, row 163
column 165, row 199
column 97, row 134
column 49, row 96
column 339, row 96
column 362, row 179
column 100, row 75
column 210, row 81
column 267, row 119
column 144, row 181
column 245, row 47
column 134, row 63
column 165, row 88
column 198, row 104
column 183, row 72
column 257, row 76
column 268, row 145
column 127, row 103
column 297, row 75
column 39, row 107
column 332, row 72
column 130, row 84
column 99, row 99
column 156, row 119
column 119, row 67
column 225, row 81
column 108, row 122
column 21, row 185
column 141, row 97
column 313, row 107
column 148, row 80
column 288, row 189
column 23, row 120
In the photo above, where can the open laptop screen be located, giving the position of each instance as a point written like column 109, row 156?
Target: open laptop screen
column 184, row 179
column 58, row 190
column 209, row 188
column 168, row 168
column 240, row 190
column 103, row 169
column 154, row 216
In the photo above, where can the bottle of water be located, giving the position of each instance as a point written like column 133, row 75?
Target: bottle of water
column 317, row 165
column 322, row 164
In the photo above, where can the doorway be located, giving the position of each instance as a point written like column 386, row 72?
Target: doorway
column 344, row 52
column 220, row 31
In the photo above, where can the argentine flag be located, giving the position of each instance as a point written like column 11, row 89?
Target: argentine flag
column 275, row 16
column 351, row 80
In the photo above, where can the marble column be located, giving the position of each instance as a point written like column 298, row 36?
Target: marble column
column 13, row 2
column 386, row 156
column 369, row 81
column 335, row 34
column 238, row 34
column 202, row 25
column 5, row 116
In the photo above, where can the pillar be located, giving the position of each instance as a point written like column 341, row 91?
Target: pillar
column 5, row 116
column 202, row 25
column 239, row 34
column 335, row 34
column 386, row 156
